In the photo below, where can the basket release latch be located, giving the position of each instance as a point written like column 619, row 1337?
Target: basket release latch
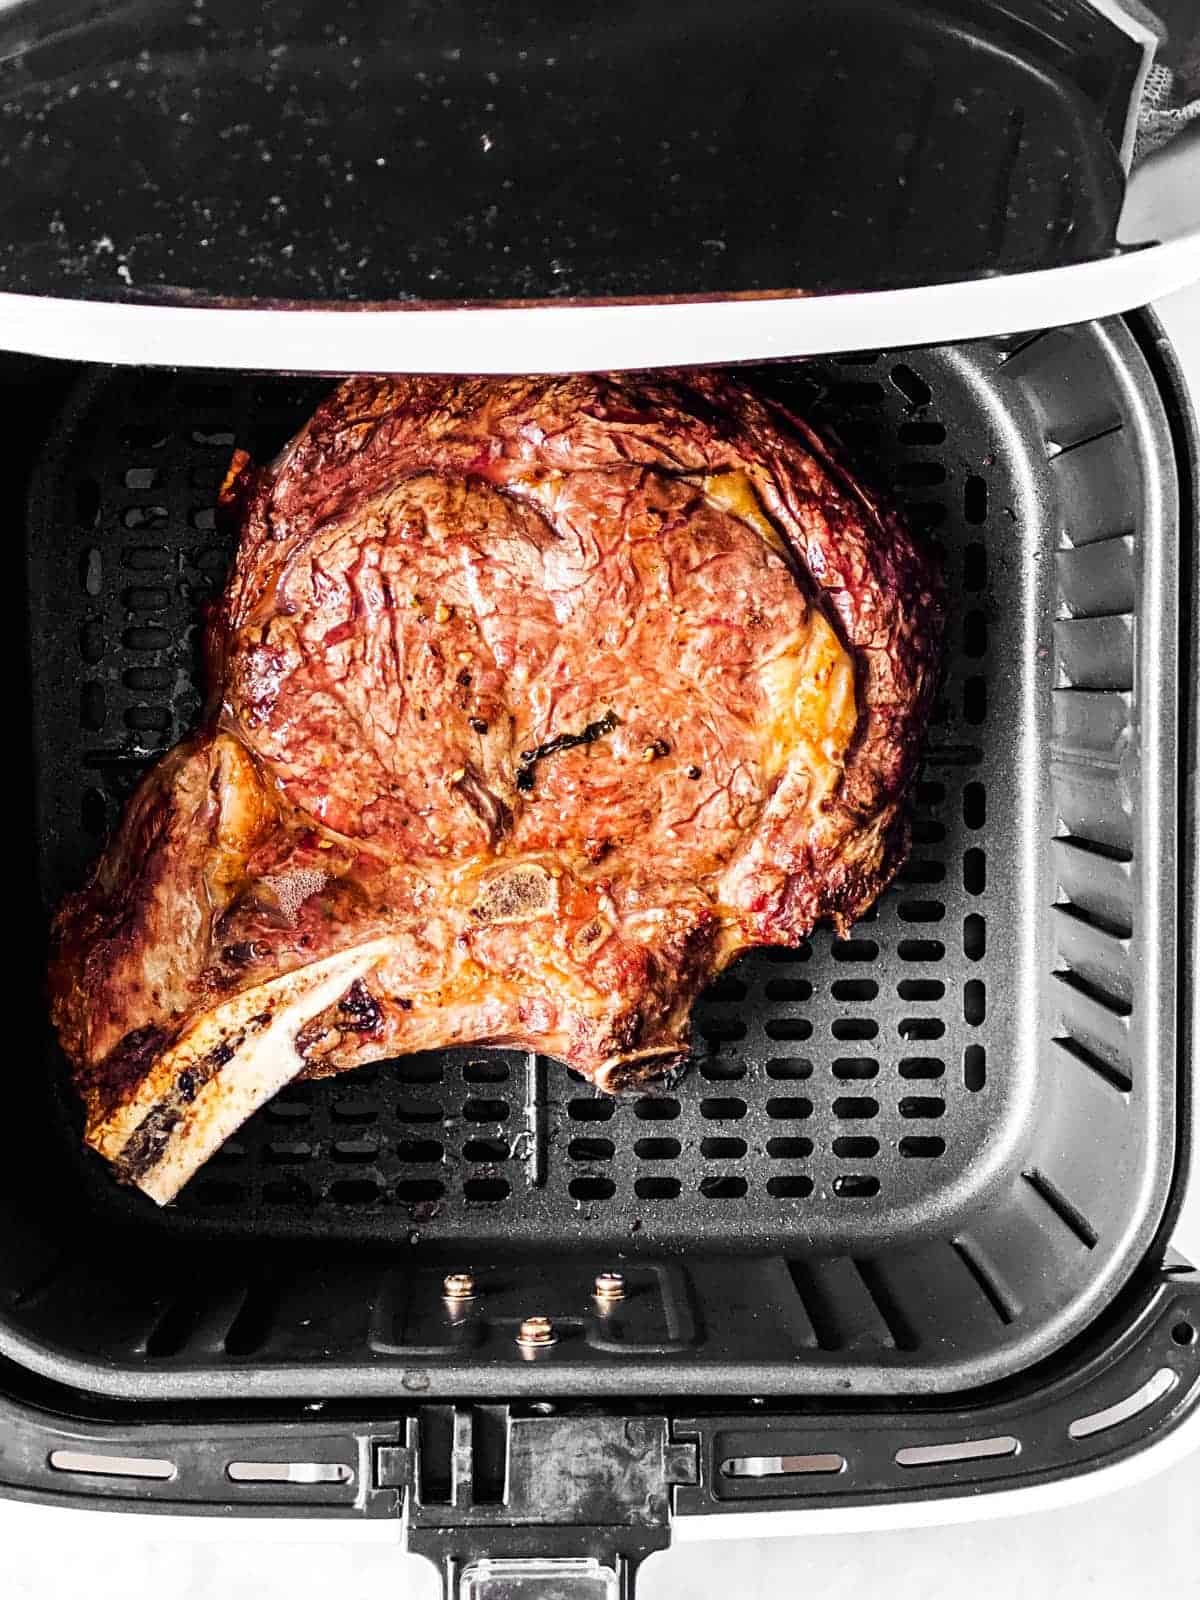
column 539, row 1507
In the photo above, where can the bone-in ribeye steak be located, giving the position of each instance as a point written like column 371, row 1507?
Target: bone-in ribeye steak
column 534, row 701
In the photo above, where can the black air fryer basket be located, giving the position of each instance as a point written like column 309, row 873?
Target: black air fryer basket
column 901, row 1230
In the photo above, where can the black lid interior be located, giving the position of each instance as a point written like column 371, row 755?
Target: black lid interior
column 482, row 150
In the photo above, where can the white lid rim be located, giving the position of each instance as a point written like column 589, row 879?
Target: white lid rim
column 575, row 337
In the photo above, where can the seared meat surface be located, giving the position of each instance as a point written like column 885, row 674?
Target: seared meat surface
column 533, row 702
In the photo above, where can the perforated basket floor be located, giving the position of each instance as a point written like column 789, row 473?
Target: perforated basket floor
column 984, row 1068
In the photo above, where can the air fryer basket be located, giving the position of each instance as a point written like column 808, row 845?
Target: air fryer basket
column 915, row 1160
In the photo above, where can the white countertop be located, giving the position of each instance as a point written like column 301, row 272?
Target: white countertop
column 1139, row 1540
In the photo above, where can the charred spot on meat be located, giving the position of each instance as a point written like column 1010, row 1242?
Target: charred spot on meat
column 360, row 1011
column 527, row 771
column 533, row 702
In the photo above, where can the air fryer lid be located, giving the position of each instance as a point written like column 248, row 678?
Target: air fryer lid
column 480, row 152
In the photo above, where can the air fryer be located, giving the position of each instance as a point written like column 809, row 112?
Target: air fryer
column 901, row 1229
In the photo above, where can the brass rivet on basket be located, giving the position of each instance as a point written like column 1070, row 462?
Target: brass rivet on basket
column 609, row 1286
column 458, row 1286
column 535, row 1333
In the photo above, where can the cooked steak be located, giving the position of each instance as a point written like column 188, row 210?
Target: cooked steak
column 534, row 701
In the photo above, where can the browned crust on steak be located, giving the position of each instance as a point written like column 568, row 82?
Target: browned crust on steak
column 540, row 508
